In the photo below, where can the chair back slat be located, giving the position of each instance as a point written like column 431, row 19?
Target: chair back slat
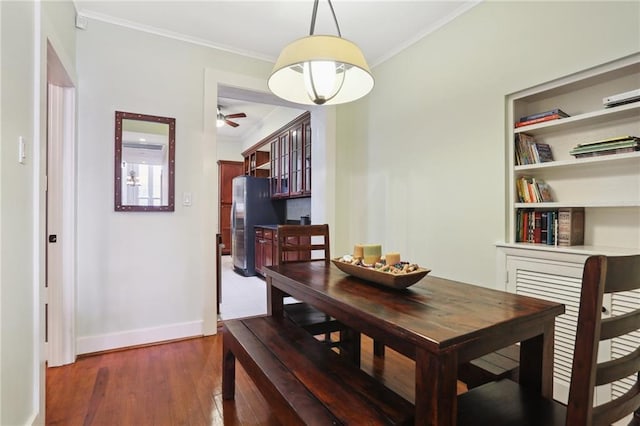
column 622, row 324
column 603, row 275
column 619, row 368
column 608, row 413
column 622, row 274
column 299, row 243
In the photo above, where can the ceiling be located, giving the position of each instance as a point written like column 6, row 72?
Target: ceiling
column 260, row 29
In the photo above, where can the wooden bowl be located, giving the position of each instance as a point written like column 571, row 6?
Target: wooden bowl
column 387, row 279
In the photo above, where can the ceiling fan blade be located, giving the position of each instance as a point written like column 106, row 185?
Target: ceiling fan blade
column 231, row 123
column 238, row 115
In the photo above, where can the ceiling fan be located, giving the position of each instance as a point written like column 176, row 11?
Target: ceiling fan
column 223, row 119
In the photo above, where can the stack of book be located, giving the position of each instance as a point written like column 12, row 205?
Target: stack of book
column 528, row 151
column 532, row 190
column 561, row 227
column 540, row 117
column 615, row 145
column 536, row 226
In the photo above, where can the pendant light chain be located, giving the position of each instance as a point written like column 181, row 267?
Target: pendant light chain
column 315, row 12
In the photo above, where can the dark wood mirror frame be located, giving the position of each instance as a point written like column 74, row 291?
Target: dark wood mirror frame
column 120, row 204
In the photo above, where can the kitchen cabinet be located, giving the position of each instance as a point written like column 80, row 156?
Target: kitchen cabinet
column 266, row 250
column 257, row 163
column 285, row 157
column 265, row 247
column 227, row 170
column 291, row 159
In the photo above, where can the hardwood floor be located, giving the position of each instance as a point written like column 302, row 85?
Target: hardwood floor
column 177, row 383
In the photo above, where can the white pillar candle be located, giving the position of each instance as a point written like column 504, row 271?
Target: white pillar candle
column 392, row 258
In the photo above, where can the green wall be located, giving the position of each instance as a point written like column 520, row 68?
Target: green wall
column 421, row 161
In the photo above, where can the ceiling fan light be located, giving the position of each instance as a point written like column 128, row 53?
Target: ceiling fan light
column 220, row 120
column 351, row 75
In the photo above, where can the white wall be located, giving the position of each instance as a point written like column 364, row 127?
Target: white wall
column 18, row 309
column 146, row 276
column 421, row 160
column 26, row 27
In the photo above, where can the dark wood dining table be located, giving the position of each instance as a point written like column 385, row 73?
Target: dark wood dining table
column 438, row 322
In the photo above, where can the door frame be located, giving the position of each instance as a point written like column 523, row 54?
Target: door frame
column 61, row 181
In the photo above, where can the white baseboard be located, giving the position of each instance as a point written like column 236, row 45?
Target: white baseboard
column 105, row 342
column 35, row 420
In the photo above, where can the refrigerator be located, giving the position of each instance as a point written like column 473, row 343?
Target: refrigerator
column 252, row 205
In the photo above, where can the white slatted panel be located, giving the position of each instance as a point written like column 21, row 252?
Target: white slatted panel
column 562, row 289
column 622, row 303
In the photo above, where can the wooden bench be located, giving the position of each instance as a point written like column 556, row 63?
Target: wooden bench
column 304, row 381
column 503, row 363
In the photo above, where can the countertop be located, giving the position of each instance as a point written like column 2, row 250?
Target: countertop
column 274, row 227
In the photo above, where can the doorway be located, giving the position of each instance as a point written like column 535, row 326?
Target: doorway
column 60, row 235
column 265, row 114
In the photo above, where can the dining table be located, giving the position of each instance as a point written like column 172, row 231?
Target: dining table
column 440, row 323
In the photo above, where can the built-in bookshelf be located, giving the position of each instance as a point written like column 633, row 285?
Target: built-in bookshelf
column 604, row 188
column 607, row 186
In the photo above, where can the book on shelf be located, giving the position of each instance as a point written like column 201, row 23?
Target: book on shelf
column 571, row 226
column 621, row 98
column 633, row 143
column 608, row 140
column 528, row 151
column 537, row 115
column 607, row 152
column 536, row 226
column 538, row 120
column 543, row 152
column 532, row 190
column 546, row 196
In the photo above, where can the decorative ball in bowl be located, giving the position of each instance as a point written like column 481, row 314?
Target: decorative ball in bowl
column 398, row 276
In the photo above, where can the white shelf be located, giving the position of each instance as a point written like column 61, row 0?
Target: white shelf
column 265, row 166
column 627, row 156
column 593, row 117
column 581, row 250
column 589, row 204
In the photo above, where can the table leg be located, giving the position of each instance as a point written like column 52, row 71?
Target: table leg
column 536, row 362
column 275, row 300
column 436, row 388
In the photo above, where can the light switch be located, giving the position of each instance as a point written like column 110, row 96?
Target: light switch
column 22, row 155
column 186, row 199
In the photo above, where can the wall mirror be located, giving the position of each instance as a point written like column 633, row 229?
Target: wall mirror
column 144, row 162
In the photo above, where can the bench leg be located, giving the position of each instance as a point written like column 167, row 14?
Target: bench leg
column 350, row 345
column 228, row 369
column 378, row 349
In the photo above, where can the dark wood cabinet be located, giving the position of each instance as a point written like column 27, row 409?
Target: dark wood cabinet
column 306, row 183
column 266, row 250
column 285, row 157
column 227, row 170
column 291, row 161
column 257, row 163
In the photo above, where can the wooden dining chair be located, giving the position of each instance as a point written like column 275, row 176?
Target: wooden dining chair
column 310, row 243
column 505, row 402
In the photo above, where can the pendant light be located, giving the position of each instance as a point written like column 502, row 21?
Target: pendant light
column 321, row 69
